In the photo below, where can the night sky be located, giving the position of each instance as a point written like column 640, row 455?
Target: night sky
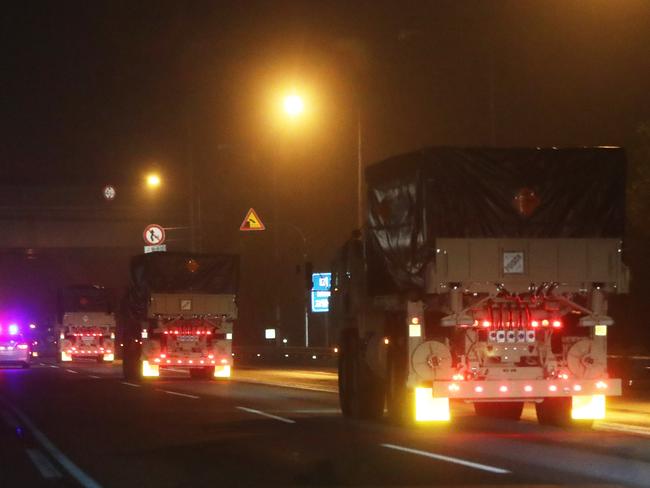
column 102, row 91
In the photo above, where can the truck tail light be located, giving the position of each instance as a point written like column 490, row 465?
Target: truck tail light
column 588, row 407
column 428, row 408
column 534, row 324
column 557, row 324
column 22, row 347
column 487, row 324
column 503, row 389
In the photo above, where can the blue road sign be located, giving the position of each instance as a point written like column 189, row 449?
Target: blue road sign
column 320, row 294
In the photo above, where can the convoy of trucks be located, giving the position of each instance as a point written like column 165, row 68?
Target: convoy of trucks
column 178, row 314
column 482, row 275
column 85, row 323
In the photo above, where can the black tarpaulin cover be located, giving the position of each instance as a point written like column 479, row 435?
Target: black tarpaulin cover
column 486, row 193
column 167, row 272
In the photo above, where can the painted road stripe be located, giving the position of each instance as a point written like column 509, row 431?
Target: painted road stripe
column 94, row 377
column 316, row 411
column 264, row 414
column 180, row 394
column 53, row 366
column 82, row 478
column 44, row 466
column 449, row 459
column 130, row 384
column 624, row 428
column 71, row 371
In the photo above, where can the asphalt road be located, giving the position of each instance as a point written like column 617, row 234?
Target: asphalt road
column 81, row 424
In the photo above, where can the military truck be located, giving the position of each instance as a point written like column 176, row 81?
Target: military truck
column 178, row 314
column 86, row 323
column 482, row 275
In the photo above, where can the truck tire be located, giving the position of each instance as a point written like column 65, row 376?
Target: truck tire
column 400, row 400
column 361, row 393
column 557, row 412
column 131, row 363
column 499, row 410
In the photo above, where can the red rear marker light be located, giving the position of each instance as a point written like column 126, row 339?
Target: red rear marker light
column 478, row 389
column 534, row 324
column 486, row 323
column 528, row 388
column 224, row 361
column 601, row 385
column 557, row 324
column 157, row 360
column 503, row 388
column 163, row 356
column 544, row 323
column 552, row 388
column 210, row 356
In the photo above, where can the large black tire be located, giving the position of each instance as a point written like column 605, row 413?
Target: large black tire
column 499, row 410
column 557, row 412
column 131, row 362
column 361, row 392
column 205, row 373
column 400, row 400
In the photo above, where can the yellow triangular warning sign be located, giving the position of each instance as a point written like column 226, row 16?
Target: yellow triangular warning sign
column 252, row 221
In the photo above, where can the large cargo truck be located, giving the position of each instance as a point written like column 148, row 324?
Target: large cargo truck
column 482, row 275
column 86, row 323
column 178, row 314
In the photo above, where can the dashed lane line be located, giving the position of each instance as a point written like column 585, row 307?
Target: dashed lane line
column 73, row 470
column 43, row 464
column 264, row 414
column 72, row 371
column 194, row 397
column 448, row 459
column 94, row 377
column 130, row 384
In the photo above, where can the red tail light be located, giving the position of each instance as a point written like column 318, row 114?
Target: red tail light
column 534, row 324
column 557, row 324
column 486, row 323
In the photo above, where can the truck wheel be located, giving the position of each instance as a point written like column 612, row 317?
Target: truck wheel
column 499, row 410
column 557, row 412
column 131, row 363
column 361, row 393
column 400, row 400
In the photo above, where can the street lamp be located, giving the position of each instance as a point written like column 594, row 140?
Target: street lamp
column 294, row 105
column 153, row 180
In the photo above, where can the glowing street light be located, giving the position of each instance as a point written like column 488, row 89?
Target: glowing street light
column 153, row 180
column 294, row 105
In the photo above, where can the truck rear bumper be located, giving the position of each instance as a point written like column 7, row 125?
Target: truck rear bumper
column 524, row 389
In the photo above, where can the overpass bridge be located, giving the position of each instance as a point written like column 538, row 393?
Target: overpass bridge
column 55, row 236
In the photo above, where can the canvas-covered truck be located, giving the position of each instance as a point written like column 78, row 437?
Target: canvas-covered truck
column 179, row 313
column 86, row 323
column 483, row 275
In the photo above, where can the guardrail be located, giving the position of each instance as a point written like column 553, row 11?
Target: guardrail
column 286, row 355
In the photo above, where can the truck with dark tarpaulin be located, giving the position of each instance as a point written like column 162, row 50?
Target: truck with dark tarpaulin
column 179, row 313
column 482, row 275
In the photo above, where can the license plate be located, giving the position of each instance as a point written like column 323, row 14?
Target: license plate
column 188, row 338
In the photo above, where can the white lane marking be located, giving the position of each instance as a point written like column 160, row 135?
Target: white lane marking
column 53, row 366
column 94, row 377
column 264, row 414
column 130, row 384
column 44, row 466
column 316, row 411
column 73, row 470
column 625, row 428
column 180, row 394
column 71, row 371
column 449, row 459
